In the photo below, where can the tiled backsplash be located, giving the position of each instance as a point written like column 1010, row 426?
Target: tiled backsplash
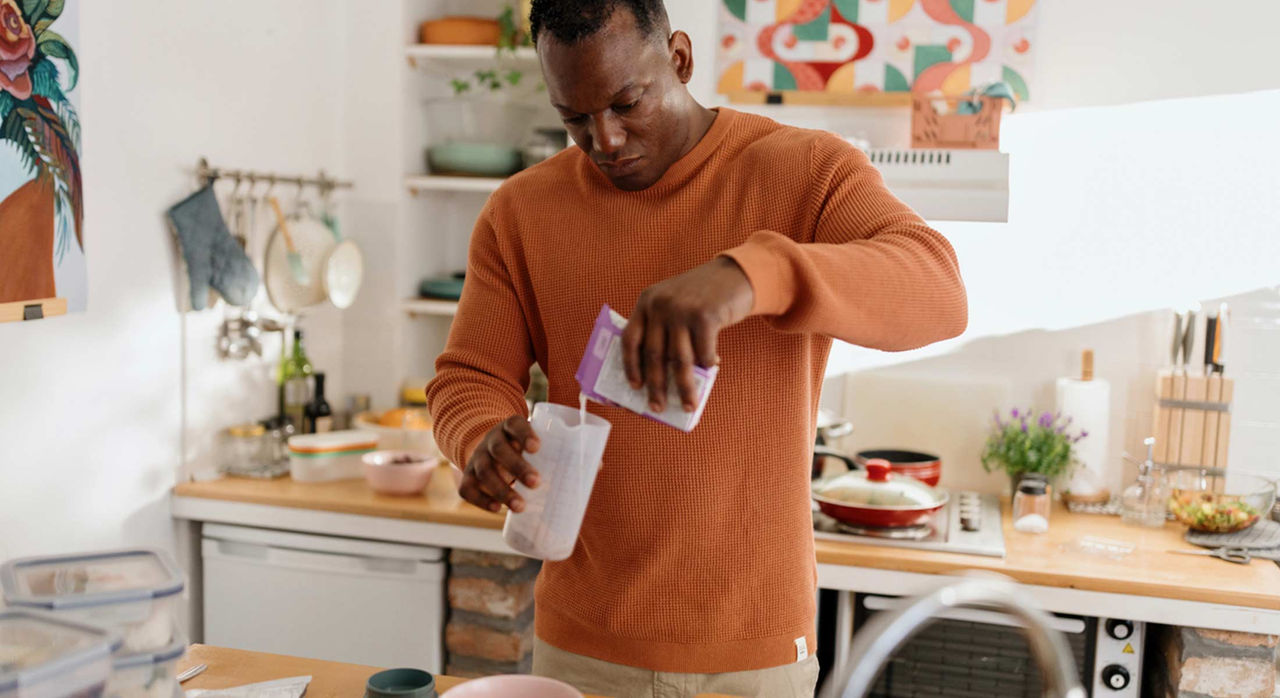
column 1129, row 352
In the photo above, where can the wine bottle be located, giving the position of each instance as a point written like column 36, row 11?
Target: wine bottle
column 296, row 375
column 318, row 416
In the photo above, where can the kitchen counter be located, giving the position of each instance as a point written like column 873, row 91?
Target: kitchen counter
column 344, row 497
column 228, row 667
column 1148, row 584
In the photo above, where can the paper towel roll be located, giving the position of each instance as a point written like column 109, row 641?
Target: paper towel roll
column 1088, row 403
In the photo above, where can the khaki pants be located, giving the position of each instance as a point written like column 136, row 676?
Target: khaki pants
column 595, row 676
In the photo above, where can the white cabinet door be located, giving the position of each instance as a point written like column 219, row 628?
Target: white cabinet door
column 338, row 599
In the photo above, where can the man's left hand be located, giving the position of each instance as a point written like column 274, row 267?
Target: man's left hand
column 676, row 323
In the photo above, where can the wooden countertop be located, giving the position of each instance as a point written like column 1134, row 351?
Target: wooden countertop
column 1031, row 559
column 1051, row 559
column 228, row 668
column 347, row 497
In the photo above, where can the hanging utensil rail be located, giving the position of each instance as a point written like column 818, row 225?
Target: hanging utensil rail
column 322, row 181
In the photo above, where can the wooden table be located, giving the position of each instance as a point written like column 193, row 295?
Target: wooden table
column 228, row 667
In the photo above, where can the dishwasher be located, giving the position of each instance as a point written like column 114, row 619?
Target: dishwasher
column 324, row 597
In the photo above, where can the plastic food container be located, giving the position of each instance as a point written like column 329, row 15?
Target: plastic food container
column 567, row 462
column 331, row 456
column 147, row 674
column 43, row 656
column 133, row 591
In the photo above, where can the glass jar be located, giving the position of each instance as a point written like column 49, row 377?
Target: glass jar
column 278, row 431
column 244, row 449
column 1031, row 504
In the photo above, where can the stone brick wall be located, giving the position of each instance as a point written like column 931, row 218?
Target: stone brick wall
column 1195, row 663
column 490, row 628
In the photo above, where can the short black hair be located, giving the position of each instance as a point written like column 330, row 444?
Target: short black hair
column 571, row 21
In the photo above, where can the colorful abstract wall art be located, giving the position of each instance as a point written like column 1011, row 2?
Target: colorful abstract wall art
column 875, row 46
column 41, row 197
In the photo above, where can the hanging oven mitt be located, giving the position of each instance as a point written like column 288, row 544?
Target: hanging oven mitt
column 214, row 258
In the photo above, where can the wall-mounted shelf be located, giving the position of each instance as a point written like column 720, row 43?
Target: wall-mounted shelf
column 821, row 99
column 421, row 183
column 464, row 56
column 430, row 306
column 941, row 185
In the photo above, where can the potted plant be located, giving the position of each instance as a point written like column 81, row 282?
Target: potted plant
column 479, row 130
column 1025, row 444
column 971, row 120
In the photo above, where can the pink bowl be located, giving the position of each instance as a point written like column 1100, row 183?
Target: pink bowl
column 513, row 686
column 406, row 479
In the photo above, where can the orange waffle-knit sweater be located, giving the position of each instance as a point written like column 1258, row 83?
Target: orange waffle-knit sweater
column 696, row 554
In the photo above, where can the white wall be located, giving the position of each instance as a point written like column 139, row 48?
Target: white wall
column 1117, row 207
column 90, row 420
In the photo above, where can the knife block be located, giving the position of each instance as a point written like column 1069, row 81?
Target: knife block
column 1192, row 418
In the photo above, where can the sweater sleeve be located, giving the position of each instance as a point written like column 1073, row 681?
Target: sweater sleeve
column 874, row 274
column 483, row 373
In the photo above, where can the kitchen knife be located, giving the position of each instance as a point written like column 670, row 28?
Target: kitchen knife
column 1219, row 345
column 1188, row 337
column 1177, row 339
column 1210, row 346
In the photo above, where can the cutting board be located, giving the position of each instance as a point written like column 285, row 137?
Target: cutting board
column 945, row 415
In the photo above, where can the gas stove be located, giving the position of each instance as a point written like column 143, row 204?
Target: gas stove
column 970, row 523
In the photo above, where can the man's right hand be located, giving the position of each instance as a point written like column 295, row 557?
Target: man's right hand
column 497, row 462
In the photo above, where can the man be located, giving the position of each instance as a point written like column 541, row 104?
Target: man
column 731, row 240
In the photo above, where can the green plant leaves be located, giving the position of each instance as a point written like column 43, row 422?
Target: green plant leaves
column 41, row 13
column 53, row 44
column 33, row 9
column 51, row 150
column 11, row 130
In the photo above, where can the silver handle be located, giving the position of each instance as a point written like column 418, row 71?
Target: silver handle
column 192, row 672
column 1070, row 626
column 315, row 561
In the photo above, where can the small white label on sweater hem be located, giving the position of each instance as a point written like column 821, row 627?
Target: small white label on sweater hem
column 802, row 649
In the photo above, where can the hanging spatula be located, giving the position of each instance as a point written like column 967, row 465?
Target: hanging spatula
column 295, row 260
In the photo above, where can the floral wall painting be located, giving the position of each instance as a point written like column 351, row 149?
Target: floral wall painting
column 875, row 46
column 41, row 198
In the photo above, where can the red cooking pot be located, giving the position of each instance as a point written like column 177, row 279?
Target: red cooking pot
column 878, row 497
column 925, row 467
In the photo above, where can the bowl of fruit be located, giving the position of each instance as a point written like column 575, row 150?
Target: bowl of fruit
column 1215, row 500
column 401, row 429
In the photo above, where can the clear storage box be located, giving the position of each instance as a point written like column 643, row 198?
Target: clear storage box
column 133, row 592
column 331, row 456
column 44, row 656
column 147, row 674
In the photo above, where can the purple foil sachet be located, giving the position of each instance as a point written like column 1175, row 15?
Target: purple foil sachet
column 603, row 378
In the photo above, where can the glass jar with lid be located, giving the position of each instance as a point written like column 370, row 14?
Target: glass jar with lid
column 244, row 449
column 1031, row 504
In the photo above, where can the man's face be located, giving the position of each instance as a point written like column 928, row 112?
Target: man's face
column 616, row 92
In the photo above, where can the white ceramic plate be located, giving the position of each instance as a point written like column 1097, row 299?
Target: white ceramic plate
column 343, row 273
column 314, row 241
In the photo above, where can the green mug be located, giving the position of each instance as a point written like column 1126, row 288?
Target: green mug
column 401, row 683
